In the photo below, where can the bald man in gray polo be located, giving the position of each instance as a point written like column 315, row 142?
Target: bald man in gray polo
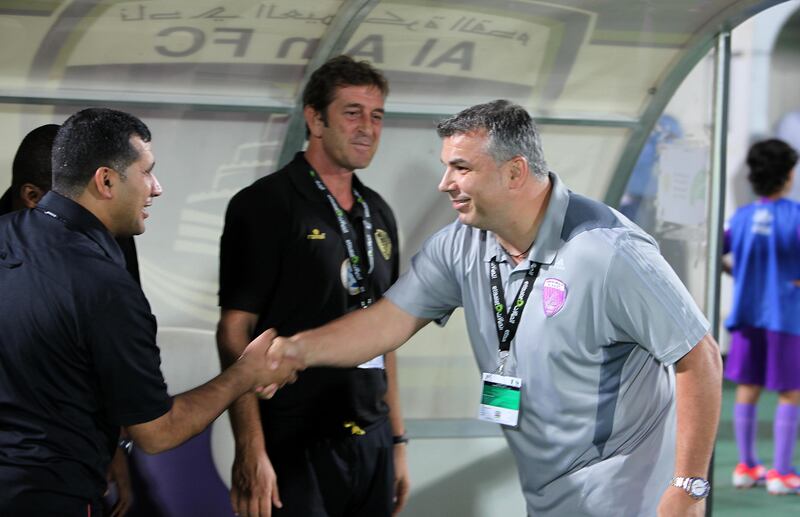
column 597, row 425
column 617, row 380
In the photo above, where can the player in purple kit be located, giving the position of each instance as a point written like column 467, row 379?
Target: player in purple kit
column 764, row 240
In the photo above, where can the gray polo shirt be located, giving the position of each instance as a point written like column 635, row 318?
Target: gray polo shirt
column 597, row 421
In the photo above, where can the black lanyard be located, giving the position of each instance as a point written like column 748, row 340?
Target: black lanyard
column 507, row 322
column 349, row 242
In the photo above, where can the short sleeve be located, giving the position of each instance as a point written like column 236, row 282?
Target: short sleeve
column 127, row 361
column 249, row 251
column 430, row 288
column 646, row 302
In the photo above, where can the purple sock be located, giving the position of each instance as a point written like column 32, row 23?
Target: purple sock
column 785, row 434
column 745, row 424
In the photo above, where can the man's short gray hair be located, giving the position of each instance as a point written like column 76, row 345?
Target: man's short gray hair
column 511, row 130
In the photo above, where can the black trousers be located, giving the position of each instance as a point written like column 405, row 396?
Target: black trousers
column 350, row 476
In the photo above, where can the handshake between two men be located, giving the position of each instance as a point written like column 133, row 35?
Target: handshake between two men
column 348, row 341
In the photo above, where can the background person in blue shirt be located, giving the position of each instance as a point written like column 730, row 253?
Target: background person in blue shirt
column 764, row 240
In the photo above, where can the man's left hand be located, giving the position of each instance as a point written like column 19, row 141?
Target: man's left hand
column 677, row 503
column 118, row 474
column 401, row 478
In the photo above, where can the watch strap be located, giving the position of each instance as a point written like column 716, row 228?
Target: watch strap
column 679, row 481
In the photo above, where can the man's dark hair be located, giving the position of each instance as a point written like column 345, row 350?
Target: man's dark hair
column 337, row 72
column 771, row 162
column 90, row 139
column 32, row 163
column 511, row 130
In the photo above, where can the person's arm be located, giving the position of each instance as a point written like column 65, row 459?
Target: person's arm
column 192, row 411
column 727, row 259
column 392, row 398
column 699, row 394
column 254, row 484
column 350, row 340
column 727, row 265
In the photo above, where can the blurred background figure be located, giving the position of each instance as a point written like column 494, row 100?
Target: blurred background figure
column 639, row 201
column 31, row 170
column 763, row 240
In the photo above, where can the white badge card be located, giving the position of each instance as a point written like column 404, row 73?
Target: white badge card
column 377, row 362
column 500, row 399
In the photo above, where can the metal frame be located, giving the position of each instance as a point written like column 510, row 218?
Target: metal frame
column 146, row 100
column 260, row 104
column 716, row 198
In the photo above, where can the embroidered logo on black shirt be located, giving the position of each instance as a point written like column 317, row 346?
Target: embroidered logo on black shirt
column 315, row 235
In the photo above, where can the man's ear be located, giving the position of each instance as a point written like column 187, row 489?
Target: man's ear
column 103, row 181
column 313, row 121
column 519, row 170
column 30, row 195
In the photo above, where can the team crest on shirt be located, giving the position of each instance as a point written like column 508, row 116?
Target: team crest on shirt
column 554, row 295
column 384, row 243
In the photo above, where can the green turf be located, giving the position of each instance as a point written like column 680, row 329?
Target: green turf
column 730, row 502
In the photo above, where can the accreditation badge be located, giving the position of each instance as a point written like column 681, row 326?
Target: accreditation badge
column 500, row 399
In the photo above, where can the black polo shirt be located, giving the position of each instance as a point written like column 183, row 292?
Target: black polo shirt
column 282, row 257
column 126, row 244
column 78, row 357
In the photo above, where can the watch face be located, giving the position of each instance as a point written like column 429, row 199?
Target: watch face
column 699, row 488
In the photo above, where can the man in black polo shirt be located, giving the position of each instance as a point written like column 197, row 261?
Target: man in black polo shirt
column 78, row 358
column 301, row 247
column 31, row 177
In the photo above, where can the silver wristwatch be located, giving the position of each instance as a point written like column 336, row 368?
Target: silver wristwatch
column 697, row 488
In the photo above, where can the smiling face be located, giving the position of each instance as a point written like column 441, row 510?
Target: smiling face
column 134, row 192
column 352, row 131
column 475, row 183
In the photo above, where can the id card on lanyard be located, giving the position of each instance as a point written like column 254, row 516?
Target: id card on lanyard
column 500, row 393
column 348, row 236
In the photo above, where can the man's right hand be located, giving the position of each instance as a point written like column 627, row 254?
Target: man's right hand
column 254, row 485
column 266, row 375
column 286, row 349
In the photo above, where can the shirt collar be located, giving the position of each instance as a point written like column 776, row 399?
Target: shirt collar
column 548, row 238
column 77, row 218
column 302, row 181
